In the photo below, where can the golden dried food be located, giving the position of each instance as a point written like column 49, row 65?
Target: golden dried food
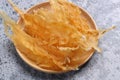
column 54, row 39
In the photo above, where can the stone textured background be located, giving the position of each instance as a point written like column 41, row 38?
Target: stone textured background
column 105, row 66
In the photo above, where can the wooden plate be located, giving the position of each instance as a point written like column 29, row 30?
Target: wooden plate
column 47, row 5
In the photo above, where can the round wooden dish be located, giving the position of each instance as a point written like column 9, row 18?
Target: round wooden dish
column 83, row 60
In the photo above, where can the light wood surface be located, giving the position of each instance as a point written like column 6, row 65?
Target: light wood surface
column 47, row 5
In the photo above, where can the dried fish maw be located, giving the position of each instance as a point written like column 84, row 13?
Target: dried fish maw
column 58, row 39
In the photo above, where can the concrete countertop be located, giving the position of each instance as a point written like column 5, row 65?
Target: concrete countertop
column 104, row 66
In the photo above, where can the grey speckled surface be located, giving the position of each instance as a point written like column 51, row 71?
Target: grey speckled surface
column 105, row 66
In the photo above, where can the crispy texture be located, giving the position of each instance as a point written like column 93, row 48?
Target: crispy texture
column 55, row 39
